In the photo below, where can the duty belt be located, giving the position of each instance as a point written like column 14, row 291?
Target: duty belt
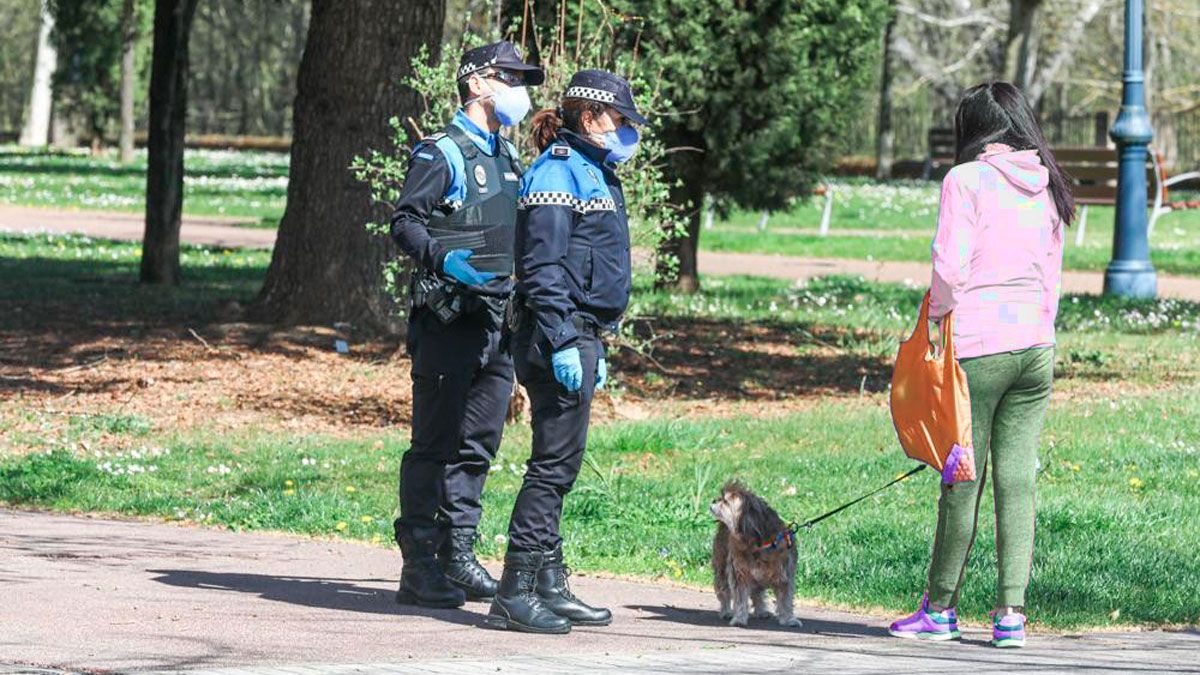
column 448, row 301
column 520, row 312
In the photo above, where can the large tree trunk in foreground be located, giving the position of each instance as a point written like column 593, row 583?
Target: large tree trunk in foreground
column 168, row 121
column 326, row 266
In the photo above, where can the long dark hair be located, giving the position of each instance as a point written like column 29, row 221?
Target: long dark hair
column 997, row 112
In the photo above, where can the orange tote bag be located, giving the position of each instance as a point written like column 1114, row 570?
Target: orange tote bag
column 931, row 406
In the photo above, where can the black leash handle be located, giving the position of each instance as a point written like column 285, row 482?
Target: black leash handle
column 809, row 523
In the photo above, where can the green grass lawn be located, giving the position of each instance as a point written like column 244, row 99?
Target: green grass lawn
column 251, row 185
column 1100, row 339
column 902, row 216
column 95, row 280
column 1119, row 482
column 1117, row 491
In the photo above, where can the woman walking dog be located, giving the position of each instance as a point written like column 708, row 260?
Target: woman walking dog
column 997, row 264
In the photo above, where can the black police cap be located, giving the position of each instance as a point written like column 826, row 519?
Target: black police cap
column 503, row 54
column 607, row 88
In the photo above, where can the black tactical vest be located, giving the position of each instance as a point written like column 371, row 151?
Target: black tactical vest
column 487, row 220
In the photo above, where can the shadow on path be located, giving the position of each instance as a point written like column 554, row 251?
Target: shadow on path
column 332, row 594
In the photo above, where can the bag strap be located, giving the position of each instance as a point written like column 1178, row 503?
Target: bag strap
column 922, row 320
column 946, row 327
column 948, row 338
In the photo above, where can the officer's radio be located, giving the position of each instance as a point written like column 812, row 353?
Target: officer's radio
column 431, row 293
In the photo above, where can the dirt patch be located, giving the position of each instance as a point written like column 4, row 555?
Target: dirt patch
column 234, row 376
column 226, row 377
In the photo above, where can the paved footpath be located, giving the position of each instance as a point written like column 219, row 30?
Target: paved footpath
column 220, row 232
column 93, row 595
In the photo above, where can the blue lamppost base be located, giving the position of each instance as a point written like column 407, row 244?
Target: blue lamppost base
column 1130, row 274
column 1131, row 279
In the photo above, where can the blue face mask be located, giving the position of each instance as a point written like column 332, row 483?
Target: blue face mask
column 621, row 143
column 511, row 104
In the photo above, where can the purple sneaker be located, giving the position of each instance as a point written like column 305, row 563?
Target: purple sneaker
column 1008, row 630
column 925, row 624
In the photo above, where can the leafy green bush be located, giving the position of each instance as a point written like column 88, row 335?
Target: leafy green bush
column 652, row 216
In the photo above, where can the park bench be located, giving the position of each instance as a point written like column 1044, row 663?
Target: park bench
column 942, row 145
column 1094, row 170
column 227, row 142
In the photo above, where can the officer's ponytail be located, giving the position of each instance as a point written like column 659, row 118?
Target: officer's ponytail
column 548, row 121
column 545, row 125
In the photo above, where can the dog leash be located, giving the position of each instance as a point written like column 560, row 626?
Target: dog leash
column 809, row 523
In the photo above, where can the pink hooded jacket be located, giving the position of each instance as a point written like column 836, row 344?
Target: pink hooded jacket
column 997, row 254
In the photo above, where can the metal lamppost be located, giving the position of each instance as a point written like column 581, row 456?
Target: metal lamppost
column 1130, row 273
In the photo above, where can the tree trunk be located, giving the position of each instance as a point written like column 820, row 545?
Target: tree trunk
column 164, row 148
column 885, row 139
column 129, row 25
column 1159, row 64
column 683, row 249
column 326, row 267
column 36, row 130
column 1021, row 43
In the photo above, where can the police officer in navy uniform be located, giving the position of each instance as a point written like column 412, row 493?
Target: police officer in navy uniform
column 573, row 284
column 455, row 218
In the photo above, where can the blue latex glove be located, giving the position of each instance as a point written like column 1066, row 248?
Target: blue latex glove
column 568, row 369
column 601, row 373
column 460, row 270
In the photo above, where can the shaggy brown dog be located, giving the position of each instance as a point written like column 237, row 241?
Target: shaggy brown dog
column 754, row 551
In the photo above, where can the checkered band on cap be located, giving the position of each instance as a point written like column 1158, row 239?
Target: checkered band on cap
column 468, row 68
column 591, row 94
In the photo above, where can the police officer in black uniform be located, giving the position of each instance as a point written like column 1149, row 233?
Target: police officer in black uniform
column 455, row 218
column 573, row 284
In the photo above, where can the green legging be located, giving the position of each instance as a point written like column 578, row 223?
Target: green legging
column 1009, row 396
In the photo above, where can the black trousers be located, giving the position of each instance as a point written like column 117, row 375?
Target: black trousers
column 462, row 383
column 560, row 426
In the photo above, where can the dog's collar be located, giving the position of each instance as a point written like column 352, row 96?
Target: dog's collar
column 785, row 539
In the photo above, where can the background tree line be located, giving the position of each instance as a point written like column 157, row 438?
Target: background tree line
column 757, row 99
column 246, row 53
column 243, row 70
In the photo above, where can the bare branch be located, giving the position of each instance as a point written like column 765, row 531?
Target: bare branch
column 976, row 19
column 936, row 74
column 1066, row 49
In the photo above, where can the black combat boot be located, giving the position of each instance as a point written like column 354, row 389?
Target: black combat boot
column 457, row 557
column 517, row 605
column 553, row 589
column 422, row 581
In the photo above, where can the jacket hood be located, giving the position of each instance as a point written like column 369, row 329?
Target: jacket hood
column 1022, row 168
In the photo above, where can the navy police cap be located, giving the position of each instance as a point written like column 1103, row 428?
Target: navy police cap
column 603, row 86
column 504, row 55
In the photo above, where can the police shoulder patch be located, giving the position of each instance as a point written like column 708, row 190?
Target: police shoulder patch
column 560, row 152
column 434, row 138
